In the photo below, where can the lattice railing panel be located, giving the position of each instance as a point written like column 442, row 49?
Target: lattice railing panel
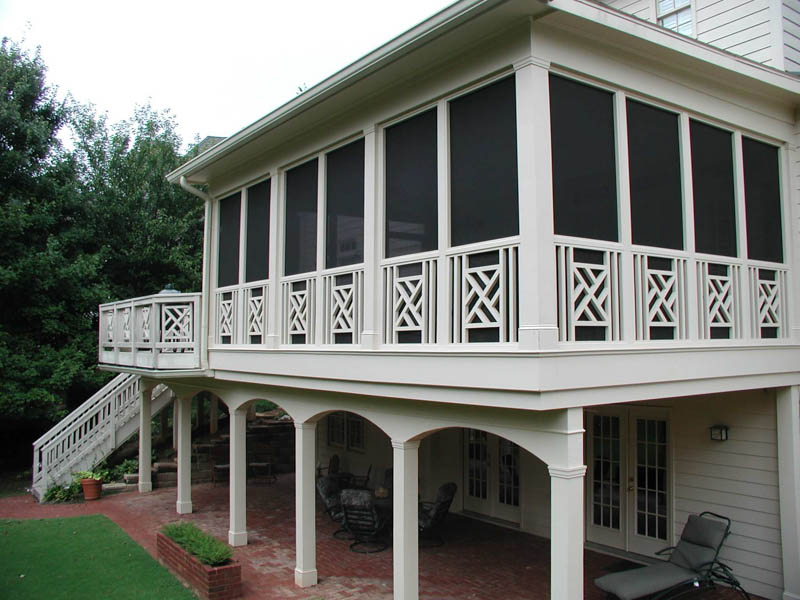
column 719, row 300
column 343, row 300
column 177, row 323
column 410, row 302
column 588, row 293
column 768, row 314
column 256, row 314
column 299, row 298
column 484, row 286
column 226, row 316
column 661, row 297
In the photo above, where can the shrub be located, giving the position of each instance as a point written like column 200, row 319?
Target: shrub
column 63, row 493
column 129, row 465
column 101, row 475
column 208, row 550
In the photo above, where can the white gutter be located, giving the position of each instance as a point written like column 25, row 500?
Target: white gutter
column 207, row 200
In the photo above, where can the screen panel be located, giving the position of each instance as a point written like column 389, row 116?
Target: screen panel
column 411, row 186
column 344, row 202
column 300, row 248
column 712, row 183
column 584, row 160
column 655, row 176
column 762, row 193
column 228, row 256
column 484, row 197
column 257, row 247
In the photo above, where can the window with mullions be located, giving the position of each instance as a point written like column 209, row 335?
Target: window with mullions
column 411, row 186
column 347, row 430
column 762, row 194
column 584, row 160
column 336, row 429
column 655, row 176
column 228, row 252
column 712, row 183
column 676, row 15
column 484, row 201
column 300, row 250
column 257, row 243
column 344, row 202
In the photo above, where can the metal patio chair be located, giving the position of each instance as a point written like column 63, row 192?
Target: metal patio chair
column 328, row 490
column 364, row 521
column 432, row 514
column 693, row 564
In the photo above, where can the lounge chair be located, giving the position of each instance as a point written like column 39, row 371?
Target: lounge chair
column 693, row 564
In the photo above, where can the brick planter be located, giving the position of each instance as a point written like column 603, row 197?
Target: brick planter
column 210, row 583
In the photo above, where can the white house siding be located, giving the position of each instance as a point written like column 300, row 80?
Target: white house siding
column 644, row 9
column 791, row 35
column 739, row 26
column 737, row 478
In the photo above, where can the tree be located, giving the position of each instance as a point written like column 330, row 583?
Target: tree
column 78, row 227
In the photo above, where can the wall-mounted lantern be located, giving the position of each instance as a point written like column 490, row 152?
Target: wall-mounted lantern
column 719, row 433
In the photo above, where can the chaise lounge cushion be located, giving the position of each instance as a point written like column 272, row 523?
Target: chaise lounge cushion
column 629, row 585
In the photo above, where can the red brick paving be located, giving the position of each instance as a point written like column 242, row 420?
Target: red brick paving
column 478, row 561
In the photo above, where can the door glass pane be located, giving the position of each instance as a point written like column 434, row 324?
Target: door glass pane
column 477, row 468
column 651, row 478
column 606, row 474
column 509, row 473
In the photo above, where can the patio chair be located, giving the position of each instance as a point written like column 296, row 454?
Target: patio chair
column 360, row 482
column 333, row 470
column 432, row 514
column 328, row 490
column 363, row 520
column 692, row 565
column 220, row 464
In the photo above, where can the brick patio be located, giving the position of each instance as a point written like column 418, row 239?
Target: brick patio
column 478, row 560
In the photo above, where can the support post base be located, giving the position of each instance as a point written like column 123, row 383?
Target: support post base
column 183, row 507
column 237, row 538
column 305, row 578
column 145, row 486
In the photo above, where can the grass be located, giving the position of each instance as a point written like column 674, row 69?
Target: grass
column 79, row 557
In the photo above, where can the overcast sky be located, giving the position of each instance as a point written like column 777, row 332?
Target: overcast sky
column 218, row 66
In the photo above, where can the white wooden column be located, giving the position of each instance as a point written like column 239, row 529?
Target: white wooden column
column 406, row 520
column 237, row 533
column 566, row 532
column 538, row 328
column 305, row 572
column 174, row 422
column 373, row 225
column 273, row 339
column 184, row 429
column 213, row 415
column 788, row 414
column 145, row 440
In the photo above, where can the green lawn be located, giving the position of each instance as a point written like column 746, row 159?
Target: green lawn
column 79, row 557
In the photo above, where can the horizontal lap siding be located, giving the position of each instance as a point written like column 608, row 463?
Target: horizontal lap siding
column 791, row 35
column 639, row 8
column 737, row 26
column 737, row 478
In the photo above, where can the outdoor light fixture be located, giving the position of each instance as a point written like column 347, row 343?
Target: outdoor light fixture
column 719, row 433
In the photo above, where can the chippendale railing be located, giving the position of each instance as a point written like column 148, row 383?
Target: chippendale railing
column 241, row 313
column 607, row 292
column 151, row 332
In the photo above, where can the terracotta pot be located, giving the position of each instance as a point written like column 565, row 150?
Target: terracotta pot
column 92, row 488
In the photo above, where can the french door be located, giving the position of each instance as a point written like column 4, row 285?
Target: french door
column 491, row 475
column 629, row 504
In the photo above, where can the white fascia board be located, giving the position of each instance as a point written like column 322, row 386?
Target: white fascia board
column 402, row 44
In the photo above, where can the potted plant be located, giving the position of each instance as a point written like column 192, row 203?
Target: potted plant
column 92, row 484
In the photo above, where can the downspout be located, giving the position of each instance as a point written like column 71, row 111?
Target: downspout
column 205, row 291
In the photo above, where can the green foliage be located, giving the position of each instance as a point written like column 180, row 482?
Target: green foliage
column 208, row 550
column 64, row 493
column 100, row 475
column 78, row 227
column 115, row 473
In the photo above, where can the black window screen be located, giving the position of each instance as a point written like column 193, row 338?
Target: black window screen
column 344, row 195
column 228, row 258
column 712, row 182
column 655, row 176
column 411, row 186
column 762, row 201
column 584, row 160
column 301, row 219
column 484, row 201
column 257, row 253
